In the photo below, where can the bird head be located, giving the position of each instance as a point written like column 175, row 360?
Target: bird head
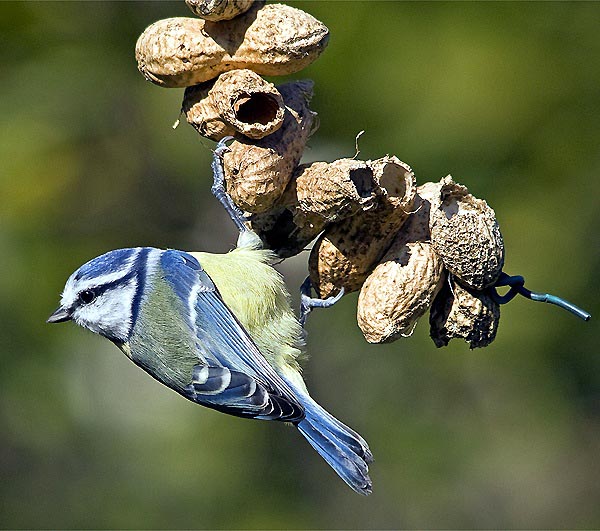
column 103, row 293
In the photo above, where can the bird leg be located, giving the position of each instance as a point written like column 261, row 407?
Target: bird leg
column 307, row 303
column 218, row 187
column 247, row 238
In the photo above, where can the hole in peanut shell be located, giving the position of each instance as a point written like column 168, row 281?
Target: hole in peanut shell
column 393, row 181
column 362, row 178
column 450, row 208
column 256, row 108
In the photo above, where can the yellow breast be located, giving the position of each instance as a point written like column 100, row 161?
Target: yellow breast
column 256, row 294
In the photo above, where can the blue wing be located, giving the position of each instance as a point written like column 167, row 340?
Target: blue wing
column 232, row 376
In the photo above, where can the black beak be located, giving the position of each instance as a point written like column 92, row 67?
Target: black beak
column 60, row 315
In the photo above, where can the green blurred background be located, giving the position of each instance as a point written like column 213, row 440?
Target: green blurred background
column 504, row 96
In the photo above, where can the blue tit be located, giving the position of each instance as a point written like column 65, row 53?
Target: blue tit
column 219, row 330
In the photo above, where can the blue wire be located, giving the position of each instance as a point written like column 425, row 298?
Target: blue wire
column 517, row 287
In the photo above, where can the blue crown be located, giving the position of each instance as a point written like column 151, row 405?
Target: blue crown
column 110, row 262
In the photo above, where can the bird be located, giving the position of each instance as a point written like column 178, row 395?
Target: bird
column 217, row 328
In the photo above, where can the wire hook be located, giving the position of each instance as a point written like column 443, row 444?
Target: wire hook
column 517, row 287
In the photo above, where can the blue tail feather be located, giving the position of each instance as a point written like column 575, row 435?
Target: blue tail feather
column 343, row 449
column 352, row 439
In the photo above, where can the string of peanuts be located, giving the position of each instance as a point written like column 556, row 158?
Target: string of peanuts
column 407, row 248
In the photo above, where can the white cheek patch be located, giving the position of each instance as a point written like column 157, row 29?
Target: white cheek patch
column 69, row 294
column 111, row 313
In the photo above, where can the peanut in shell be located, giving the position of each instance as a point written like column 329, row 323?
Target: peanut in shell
column 271, row 40
column 218, row 9
column 348, row 250
column 459, row 311
column 466, row 235
column 258, row 171
column 399, row 291
column 403, row 285
column 239, row 101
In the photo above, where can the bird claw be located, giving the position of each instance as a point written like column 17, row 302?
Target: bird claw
column 307, row 303
column 222, row 146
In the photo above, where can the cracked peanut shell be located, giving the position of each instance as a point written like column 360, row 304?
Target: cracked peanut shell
column 335, row 190
column 348, row 250
column 239, row 101
column 319, row 193
column 458, row 311
column 258, row 171
column 466, row 235
column 271, row 40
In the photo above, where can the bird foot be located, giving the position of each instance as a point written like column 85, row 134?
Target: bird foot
column 307, row 303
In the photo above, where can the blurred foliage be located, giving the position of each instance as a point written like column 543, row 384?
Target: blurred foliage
column 505, row 96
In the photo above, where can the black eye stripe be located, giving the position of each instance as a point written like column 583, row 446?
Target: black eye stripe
column 100, row 290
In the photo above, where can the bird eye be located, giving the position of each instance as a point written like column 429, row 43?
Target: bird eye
column 86, row 296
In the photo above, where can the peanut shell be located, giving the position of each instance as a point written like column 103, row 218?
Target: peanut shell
column 431, row 193
column 271, row 40
column 417, row 227
column 399, row 291
column 348, row 250
column 237, row 101
column 403, row 285
column 280, row 229
column 335, row 190
column 318, row 194
column 258, row 171
column 459, row 311
column 466, row 235
column 218, row 9
column 201, row 113
column 279, row 233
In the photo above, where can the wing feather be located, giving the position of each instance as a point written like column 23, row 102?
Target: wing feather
column 233, row 376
